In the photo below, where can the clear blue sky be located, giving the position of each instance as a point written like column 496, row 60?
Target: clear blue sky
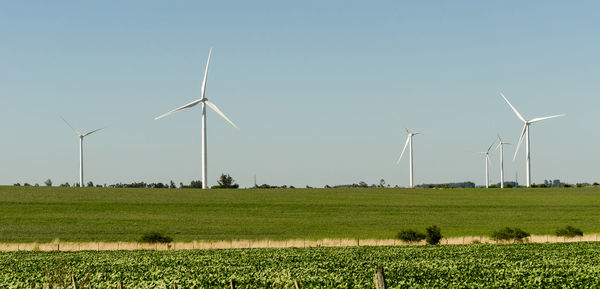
column 320, row 89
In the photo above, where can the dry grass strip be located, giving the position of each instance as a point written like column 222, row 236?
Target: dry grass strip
column 241, row 244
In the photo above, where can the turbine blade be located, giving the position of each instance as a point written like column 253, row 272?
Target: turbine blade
column 205, row 74
column 91, row 132
column 498, row 146
column 488, row 150
column 544, row 118
column 76, row 132
column 404, row 149
column 520, row 140
column 216, row 109
column 181, row 108
column 513, row 108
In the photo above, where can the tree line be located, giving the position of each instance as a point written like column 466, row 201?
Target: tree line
column 225, row 181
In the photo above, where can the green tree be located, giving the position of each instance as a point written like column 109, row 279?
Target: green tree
column 196, row 184
column 48, row 183
column 226, row 182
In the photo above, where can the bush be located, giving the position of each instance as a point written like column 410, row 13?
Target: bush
column 434, row 235
column 155, row 237
column 410, row 236
column 569, row 231
column 507, row 233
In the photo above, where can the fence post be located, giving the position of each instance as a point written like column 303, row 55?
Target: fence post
column 74, row 282
column 297, row 284
column 379, row 278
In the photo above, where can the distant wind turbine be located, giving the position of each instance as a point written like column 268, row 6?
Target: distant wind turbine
column 204, row 102
column 410, row 159
column 487, row 160
column 525, row 132
column 501, row 147
column 81, row 136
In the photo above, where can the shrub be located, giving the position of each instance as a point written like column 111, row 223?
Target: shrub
column 410, row 236
column 434, row 235
column 507, row 233
column 155, row 237
column 569, row 231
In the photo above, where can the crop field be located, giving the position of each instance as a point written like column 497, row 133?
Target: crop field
column 566, row 265
column 42, row 214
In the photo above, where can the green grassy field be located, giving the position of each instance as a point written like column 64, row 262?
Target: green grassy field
column 571, row 265
column 42, row 214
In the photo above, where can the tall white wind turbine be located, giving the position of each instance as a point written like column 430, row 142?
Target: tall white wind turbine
column 81, row 136
column 487, row 161
column 501, row 147
column 525, row 132
column 205, row 103
column 410, row 159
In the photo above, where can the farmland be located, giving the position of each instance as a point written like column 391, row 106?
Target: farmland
column 566, row 265
column 42, row 214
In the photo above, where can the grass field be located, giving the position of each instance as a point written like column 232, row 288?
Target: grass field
column 42, row 214
column 572, row 265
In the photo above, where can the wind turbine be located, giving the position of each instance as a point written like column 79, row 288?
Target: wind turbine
column 501, row 147
column 410, row 159
column 205, row 103
column 81, row 136
column 487, row 160
column 525, row 132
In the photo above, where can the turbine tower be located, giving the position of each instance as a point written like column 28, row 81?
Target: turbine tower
column 410, row 159
column 501, row 147
column 525, row 133
column 487, row 160
column 81, row 136
column 205, row 103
